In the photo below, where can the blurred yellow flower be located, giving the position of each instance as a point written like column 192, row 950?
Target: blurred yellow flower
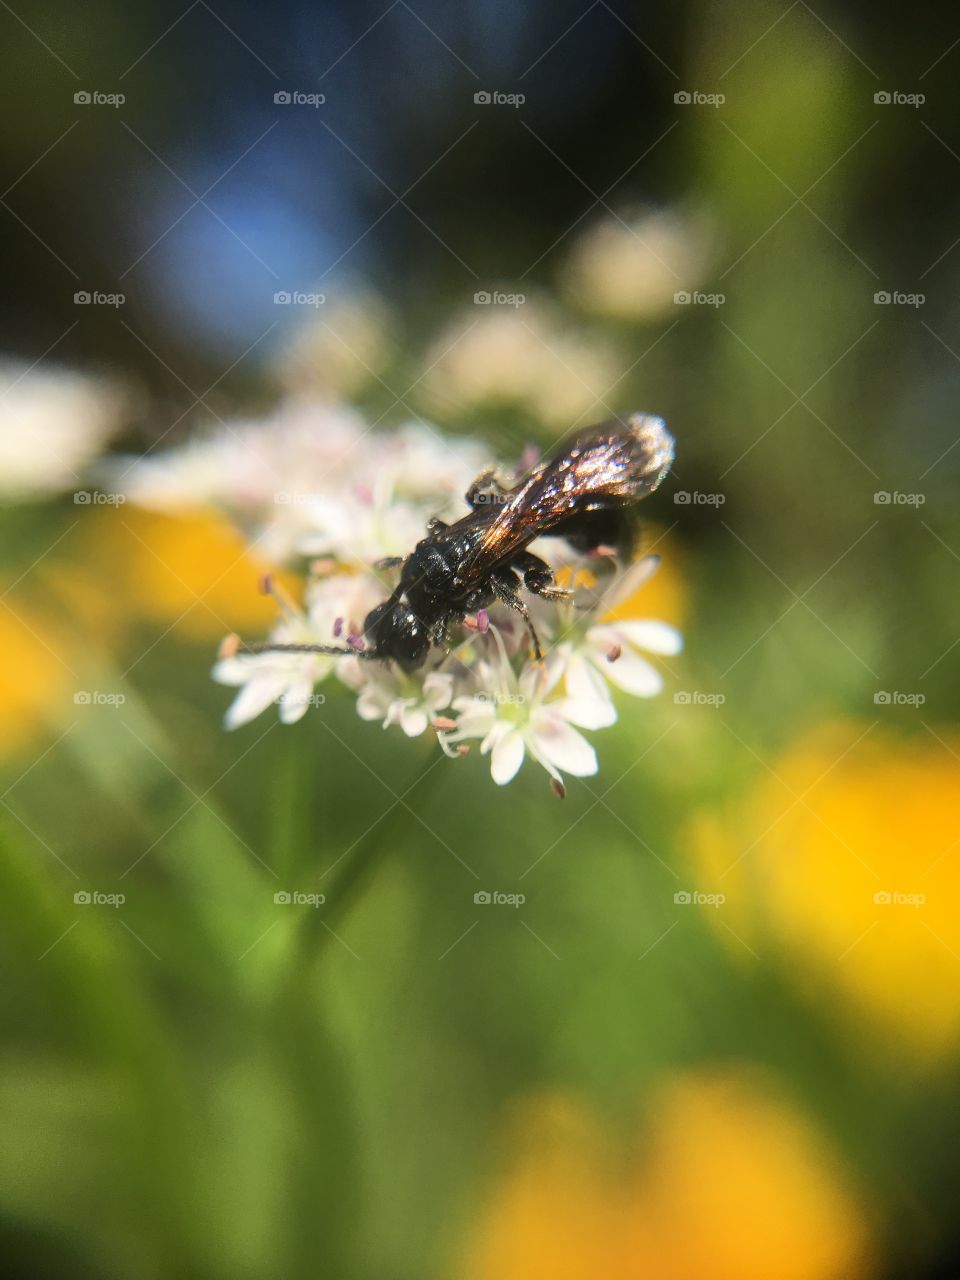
column 83, row 594
column 664, row 595
column 193, row 569
column 850, row 856
column 35, row 685
column 728, row 1183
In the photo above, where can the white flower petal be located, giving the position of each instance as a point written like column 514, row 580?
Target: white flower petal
column 394, row 709
column 498, row 729
column 234, row 671
column 628, row 583
column 537, row 679
column 438, row 690
column 413, row 720
column 477, row 716
column 295, row 700
column 587, row 715
column 560, row 744
column 506, row 757
column 372, row 704
column 589, row 701
column 476, row 724
column 649, row 634
column 633, row 674
column 253, row 698
column 353, row 672
column 470, row 702
column 54, row 423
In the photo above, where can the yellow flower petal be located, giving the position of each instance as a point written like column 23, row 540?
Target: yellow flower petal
column 193, row 569
column 35, row 687
column 729, row 1183
column 850, row 858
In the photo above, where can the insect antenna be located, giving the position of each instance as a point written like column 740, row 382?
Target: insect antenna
column 233, row 645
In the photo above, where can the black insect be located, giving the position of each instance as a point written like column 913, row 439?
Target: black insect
column 583, row 493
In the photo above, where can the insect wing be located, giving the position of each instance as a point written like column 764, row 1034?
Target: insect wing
column 608, row 467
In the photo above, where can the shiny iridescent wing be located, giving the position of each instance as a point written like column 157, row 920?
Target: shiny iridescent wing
column 611, row 466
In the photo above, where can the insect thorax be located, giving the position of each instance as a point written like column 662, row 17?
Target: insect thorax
column 428, row 578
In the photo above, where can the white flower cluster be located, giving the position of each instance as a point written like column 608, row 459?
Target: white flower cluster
column 356, row 496
column 53, row 423
column 312, row 478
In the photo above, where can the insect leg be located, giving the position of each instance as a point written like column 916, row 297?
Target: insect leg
column 389, row 562
column 436, row 525
column 505, row 589
column 438, row 633
column 538, row 577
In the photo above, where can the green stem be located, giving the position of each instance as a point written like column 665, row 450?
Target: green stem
column 357, row 868
column 319, row 1074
